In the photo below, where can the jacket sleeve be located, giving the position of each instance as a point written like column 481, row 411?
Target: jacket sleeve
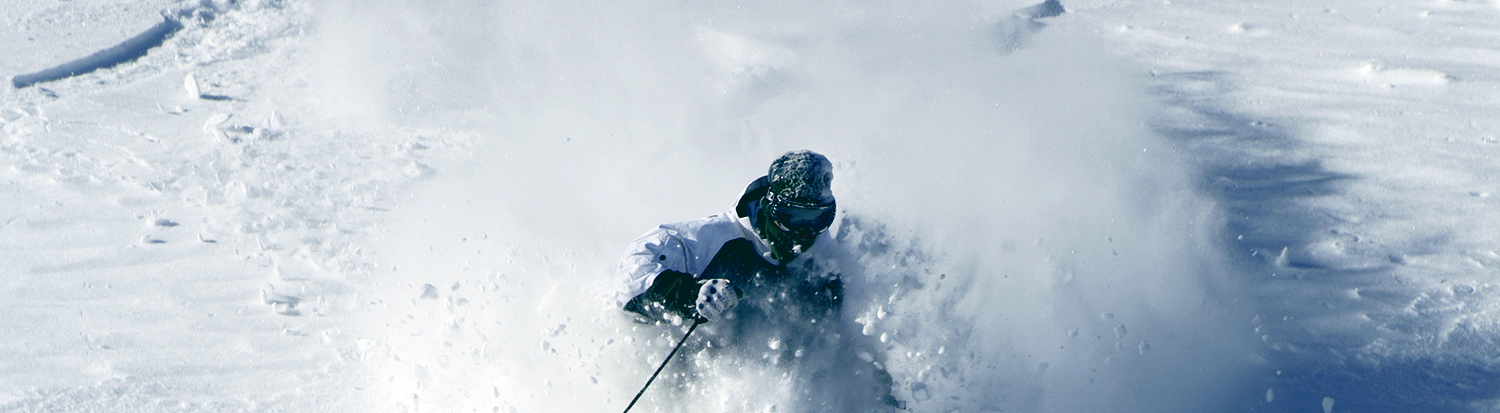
column 671, row 295
column 645, row 261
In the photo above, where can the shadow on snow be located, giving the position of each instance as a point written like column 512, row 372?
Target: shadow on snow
column 1268, row 190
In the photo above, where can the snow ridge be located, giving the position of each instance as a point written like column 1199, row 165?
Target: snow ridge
column 125, row 52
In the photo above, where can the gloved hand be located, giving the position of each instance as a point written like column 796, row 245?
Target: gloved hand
column 715, row 296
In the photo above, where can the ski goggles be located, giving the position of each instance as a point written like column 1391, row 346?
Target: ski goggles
column 800, row 218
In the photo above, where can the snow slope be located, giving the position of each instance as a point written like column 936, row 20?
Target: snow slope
column 169, row 252
column 398, row 206
column 1350, row 144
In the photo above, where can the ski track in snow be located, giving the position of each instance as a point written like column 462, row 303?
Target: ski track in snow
column 390, row 206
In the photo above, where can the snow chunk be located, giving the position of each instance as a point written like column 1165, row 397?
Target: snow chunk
column 281, row 303
column 1375, row 72
column 190, row 83
column 416, row 169
column 919, row 392
column 1338, row 253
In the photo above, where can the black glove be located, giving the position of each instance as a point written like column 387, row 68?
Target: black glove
column 672, row 293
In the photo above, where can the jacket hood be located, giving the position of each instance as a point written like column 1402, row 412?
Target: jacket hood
column 749, row 205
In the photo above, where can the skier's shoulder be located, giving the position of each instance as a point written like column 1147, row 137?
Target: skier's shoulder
column 717, row 227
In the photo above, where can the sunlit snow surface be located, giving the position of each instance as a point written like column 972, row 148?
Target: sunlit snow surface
column 396, row 206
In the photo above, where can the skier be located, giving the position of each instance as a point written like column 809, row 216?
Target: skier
column 768, row 272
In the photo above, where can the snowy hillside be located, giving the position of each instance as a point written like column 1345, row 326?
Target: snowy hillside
column 282, row 205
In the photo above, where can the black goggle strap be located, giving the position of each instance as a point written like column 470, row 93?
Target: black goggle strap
column 777, row 201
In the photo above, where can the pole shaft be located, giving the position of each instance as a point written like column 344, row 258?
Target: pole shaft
column 663, row 365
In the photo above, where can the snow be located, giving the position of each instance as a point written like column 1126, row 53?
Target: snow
column 399, row 206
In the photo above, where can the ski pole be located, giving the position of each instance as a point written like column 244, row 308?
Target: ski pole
column 663, row 365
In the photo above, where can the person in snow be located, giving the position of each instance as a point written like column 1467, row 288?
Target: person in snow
column 767, row 273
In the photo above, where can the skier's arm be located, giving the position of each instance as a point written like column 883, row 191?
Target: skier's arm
column 646, row 258
column 671, row 294
column 657, row 284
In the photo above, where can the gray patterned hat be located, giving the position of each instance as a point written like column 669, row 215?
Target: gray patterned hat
column 803, row 177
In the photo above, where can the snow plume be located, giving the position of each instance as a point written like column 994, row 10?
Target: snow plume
column 1027, row 243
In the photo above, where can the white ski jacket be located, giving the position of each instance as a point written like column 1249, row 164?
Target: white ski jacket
column 689, row 246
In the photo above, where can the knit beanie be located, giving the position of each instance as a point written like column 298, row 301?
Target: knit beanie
column 802, row 177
